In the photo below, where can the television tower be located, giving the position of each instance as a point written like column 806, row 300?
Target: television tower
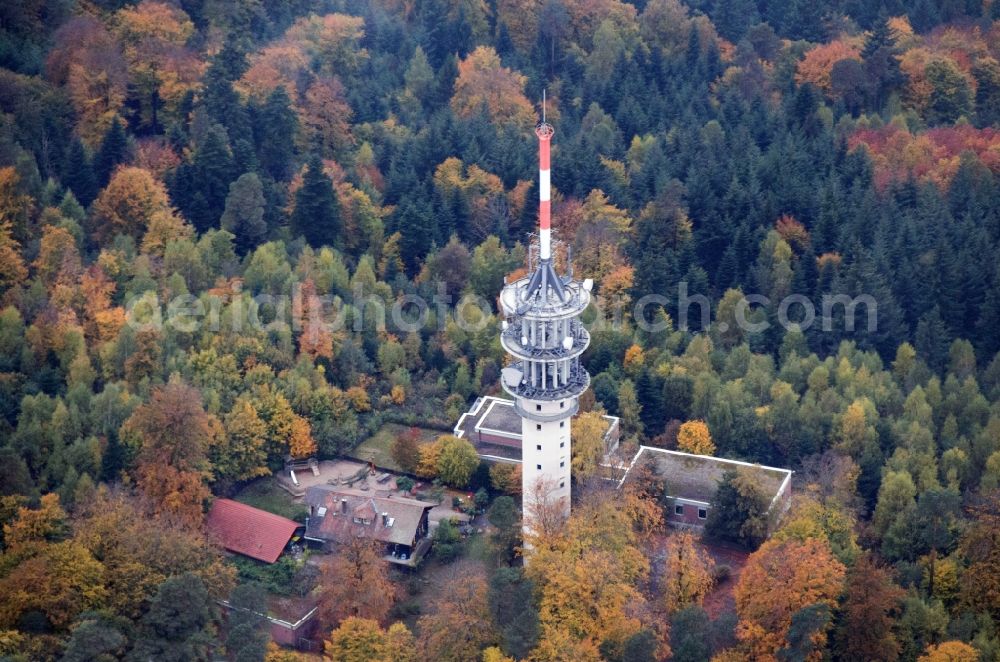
column 544, row 337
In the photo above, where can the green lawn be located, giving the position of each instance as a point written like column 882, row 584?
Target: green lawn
column 377, row 448
column 265, row 494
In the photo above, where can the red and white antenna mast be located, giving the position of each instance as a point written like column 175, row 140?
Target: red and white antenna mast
column 544, row 132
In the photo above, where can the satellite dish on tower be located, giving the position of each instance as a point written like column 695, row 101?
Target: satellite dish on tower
column 511, row 377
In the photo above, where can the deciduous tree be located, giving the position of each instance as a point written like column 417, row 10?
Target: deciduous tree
column 128, row 204
column 950, row 651
column 355, row 582
column 457, row 460
column 458, row 624
column 362, row 640
column 172, row 434
column 588, row 443
column 779, row 579
column 694, row 437
column 484, row 84
column 868, row 613
column 687, row 575
column 406, row 449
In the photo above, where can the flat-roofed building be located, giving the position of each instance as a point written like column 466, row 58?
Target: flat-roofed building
column 692, row 480
column 493, row 426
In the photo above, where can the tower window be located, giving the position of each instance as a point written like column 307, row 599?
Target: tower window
column 562, row 424
column 562, row 444
column 538, row 447
column 562, row 464
column 539, row 467
column 562, row 484
column 562, row 404
column 538, row 408
column 538, row 426
column 678, row 510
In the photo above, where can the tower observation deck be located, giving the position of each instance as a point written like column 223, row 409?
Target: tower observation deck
column 544, row 338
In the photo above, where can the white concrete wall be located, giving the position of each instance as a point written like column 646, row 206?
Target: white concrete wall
column 550, row 448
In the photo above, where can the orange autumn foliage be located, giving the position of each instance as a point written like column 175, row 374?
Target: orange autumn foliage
column 63, row 580
column 793, row 232
column 330, row 42
column 156, row 156
column 154, row 36
column 127, row 205
column 301, row 443
column 694, row 437
column 315, row 340
column 96, row 290
column 779, row 579
column 173, row 433
column 950, row 651
column 325, row 116
column 483, row 82
column 278, row 64
column 818, row 62
column 12, row 269
column 687, row 575
column 355, row 582
column 933, row 155
column 88, row 61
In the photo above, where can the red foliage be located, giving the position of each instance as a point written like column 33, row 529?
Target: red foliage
column 933, row 155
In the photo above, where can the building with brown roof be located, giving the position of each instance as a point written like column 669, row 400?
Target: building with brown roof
column 337, row 515
column 249, row 531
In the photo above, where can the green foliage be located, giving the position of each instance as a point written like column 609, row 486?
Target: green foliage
column 457, row 461
column 447, row 541
column 248, row 627
column 317, row 211
column 691, row 640
column 244, row 213
column 739, row 511
column 176, row 625
column 512, row 604
column 701, row 146
column 278, row 577
column 503, row 514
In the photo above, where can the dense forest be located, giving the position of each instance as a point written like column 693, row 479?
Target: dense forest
column 180, row 180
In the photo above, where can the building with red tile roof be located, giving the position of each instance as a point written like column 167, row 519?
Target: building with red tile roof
column 249, row 531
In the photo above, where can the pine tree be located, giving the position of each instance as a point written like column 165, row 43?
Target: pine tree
column 317, row 211
column 278, row 124
column 78, row 175
column 213, row 171
column 414, row 222
column 932, row 339
column 733, row 18
column 880, row 61
column 244, row 214
column 220, row 99
column 924, row 15
column 987, row 74
column 114, row 149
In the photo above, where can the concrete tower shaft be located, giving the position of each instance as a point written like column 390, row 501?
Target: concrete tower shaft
column 544, row 338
